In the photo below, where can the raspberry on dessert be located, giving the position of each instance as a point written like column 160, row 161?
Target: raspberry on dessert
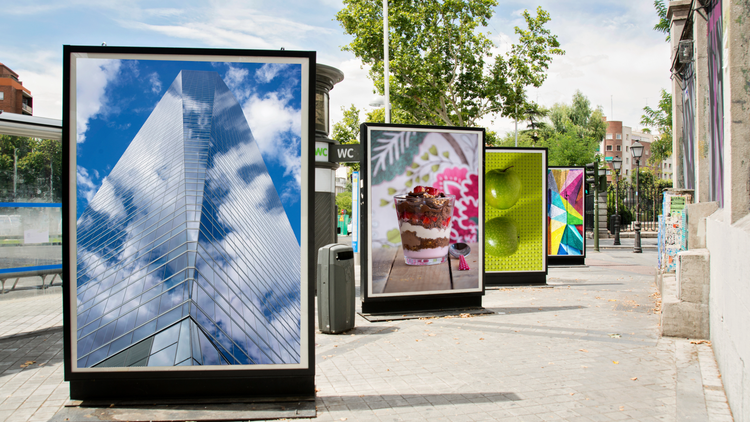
column 418, row 189
column 432, row 191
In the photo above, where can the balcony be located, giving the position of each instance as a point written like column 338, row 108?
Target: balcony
column 26, row 109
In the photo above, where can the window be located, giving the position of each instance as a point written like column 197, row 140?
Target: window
column 609, row 136
column 627, row 160
column 2, row 95
column 670, row 165
column 626, row 172
column 626, row 148
column 609, row 147
column 619, row 136
column 619, row 148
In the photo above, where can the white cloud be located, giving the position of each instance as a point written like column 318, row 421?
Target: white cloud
column 269, row 71
column 92, row 78
column 86, row 185
column 153, row 79
column 274, row 123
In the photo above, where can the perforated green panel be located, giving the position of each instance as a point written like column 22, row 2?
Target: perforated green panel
column 528, row 213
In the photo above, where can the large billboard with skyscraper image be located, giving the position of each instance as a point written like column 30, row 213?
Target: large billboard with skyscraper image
column 189, row 223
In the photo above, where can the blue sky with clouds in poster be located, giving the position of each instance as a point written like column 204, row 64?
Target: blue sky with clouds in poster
column 612, row 53
column 115, row 97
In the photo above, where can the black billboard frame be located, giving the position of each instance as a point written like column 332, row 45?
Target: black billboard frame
column 182, row 384
column 570, row 260
column 416, row 302
column 506, row 278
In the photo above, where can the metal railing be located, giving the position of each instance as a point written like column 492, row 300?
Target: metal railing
column 650, row 207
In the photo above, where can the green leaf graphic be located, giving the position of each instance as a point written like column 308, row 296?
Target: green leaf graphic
column 394, row 236
column 433, row 150
column 435, row 167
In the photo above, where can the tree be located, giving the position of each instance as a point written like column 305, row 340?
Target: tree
column 572, row 133
column 663, row 24
column 660, row 119
column 442, row 68
column 344, row 201
column 38, row 161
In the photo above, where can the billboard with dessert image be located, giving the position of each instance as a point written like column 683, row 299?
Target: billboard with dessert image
column 421, row 218
column 515, row 215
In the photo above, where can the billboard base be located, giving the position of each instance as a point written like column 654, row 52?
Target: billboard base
column 498, row 279
column 566, row 260
column 194, row 388
column 420, row 304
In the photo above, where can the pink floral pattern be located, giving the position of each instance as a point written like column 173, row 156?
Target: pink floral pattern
column 454, row 181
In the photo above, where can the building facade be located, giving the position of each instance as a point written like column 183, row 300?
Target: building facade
column 710, row 68
column 617, row 142
column 14, row 97
column 174, row 266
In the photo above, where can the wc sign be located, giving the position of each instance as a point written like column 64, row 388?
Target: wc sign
column 345, row 153
column 326, row 152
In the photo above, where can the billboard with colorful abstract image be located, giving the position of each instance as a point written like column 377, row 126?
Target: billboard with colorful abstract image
column 565, row 211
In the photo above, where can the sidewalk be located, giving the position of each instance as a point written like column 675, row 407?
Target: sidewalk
column 585, row 348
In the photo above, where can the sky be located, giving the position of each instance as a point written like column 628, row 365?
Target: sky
column 613, row 56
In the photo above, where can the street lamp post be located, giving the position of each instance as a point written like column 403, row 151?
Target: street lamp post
column 601, row 172
column 617, row 164
column 637, row 150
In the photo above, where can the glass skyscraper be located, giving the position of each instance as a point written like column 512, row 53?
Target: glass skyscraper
column 178, row 251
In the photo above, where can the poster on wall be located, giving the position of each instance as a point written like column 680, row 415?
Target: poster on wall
column 566, row 240
column 421, row 219
column 515, row 215
column 183, row 165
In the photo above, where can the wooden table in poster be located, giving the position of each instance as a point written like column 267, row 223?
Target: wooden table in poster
column 390, row 274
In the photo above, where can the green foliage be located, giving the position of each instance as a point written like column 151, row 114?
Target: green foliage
column 34, row 157
column 663, row 24
column 567, row 149
column 571, row 132
column 442, row 68
column 660, row 119
column 344, row 202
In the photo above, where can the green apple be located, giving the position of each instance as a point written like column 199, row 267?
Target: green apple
column 501, row 236
column 502, row 188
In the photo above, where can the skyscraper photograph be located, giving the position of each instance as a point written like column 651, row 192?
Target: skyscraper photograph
column 185, row 198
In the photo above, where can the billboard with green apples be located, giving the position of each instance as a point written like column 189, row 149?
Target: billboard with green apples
column 515, row 192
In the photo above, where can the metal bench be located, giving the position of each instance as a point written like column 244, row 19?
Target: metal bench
column 19, row 273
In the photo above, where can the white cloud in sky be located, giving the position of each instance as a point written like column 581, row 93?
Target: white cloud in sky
column 153, row 79
column 268, row 71
column 274, row 124
column 86, row 185
column 93, row 75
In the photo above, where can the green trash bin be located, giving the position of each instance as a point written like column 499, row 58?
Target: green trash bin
column 335, row 288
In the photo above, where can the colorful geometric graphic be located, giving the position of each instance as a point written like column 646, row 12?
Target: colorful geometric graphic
column 565, row 201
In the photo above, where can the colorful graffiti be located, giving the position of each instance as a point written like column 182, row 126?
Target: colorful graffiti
column 716, row 100
column 687, row 152
column 673, row 229
column 565, row 200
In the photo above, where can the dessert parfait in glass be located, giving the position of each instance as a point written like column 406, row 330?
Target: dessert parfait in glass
column 424, row 219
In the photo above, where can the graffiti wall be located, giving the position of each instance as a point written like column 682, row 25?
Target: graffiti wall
column 687, row 150
column 716, row 103
column 673, row 229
